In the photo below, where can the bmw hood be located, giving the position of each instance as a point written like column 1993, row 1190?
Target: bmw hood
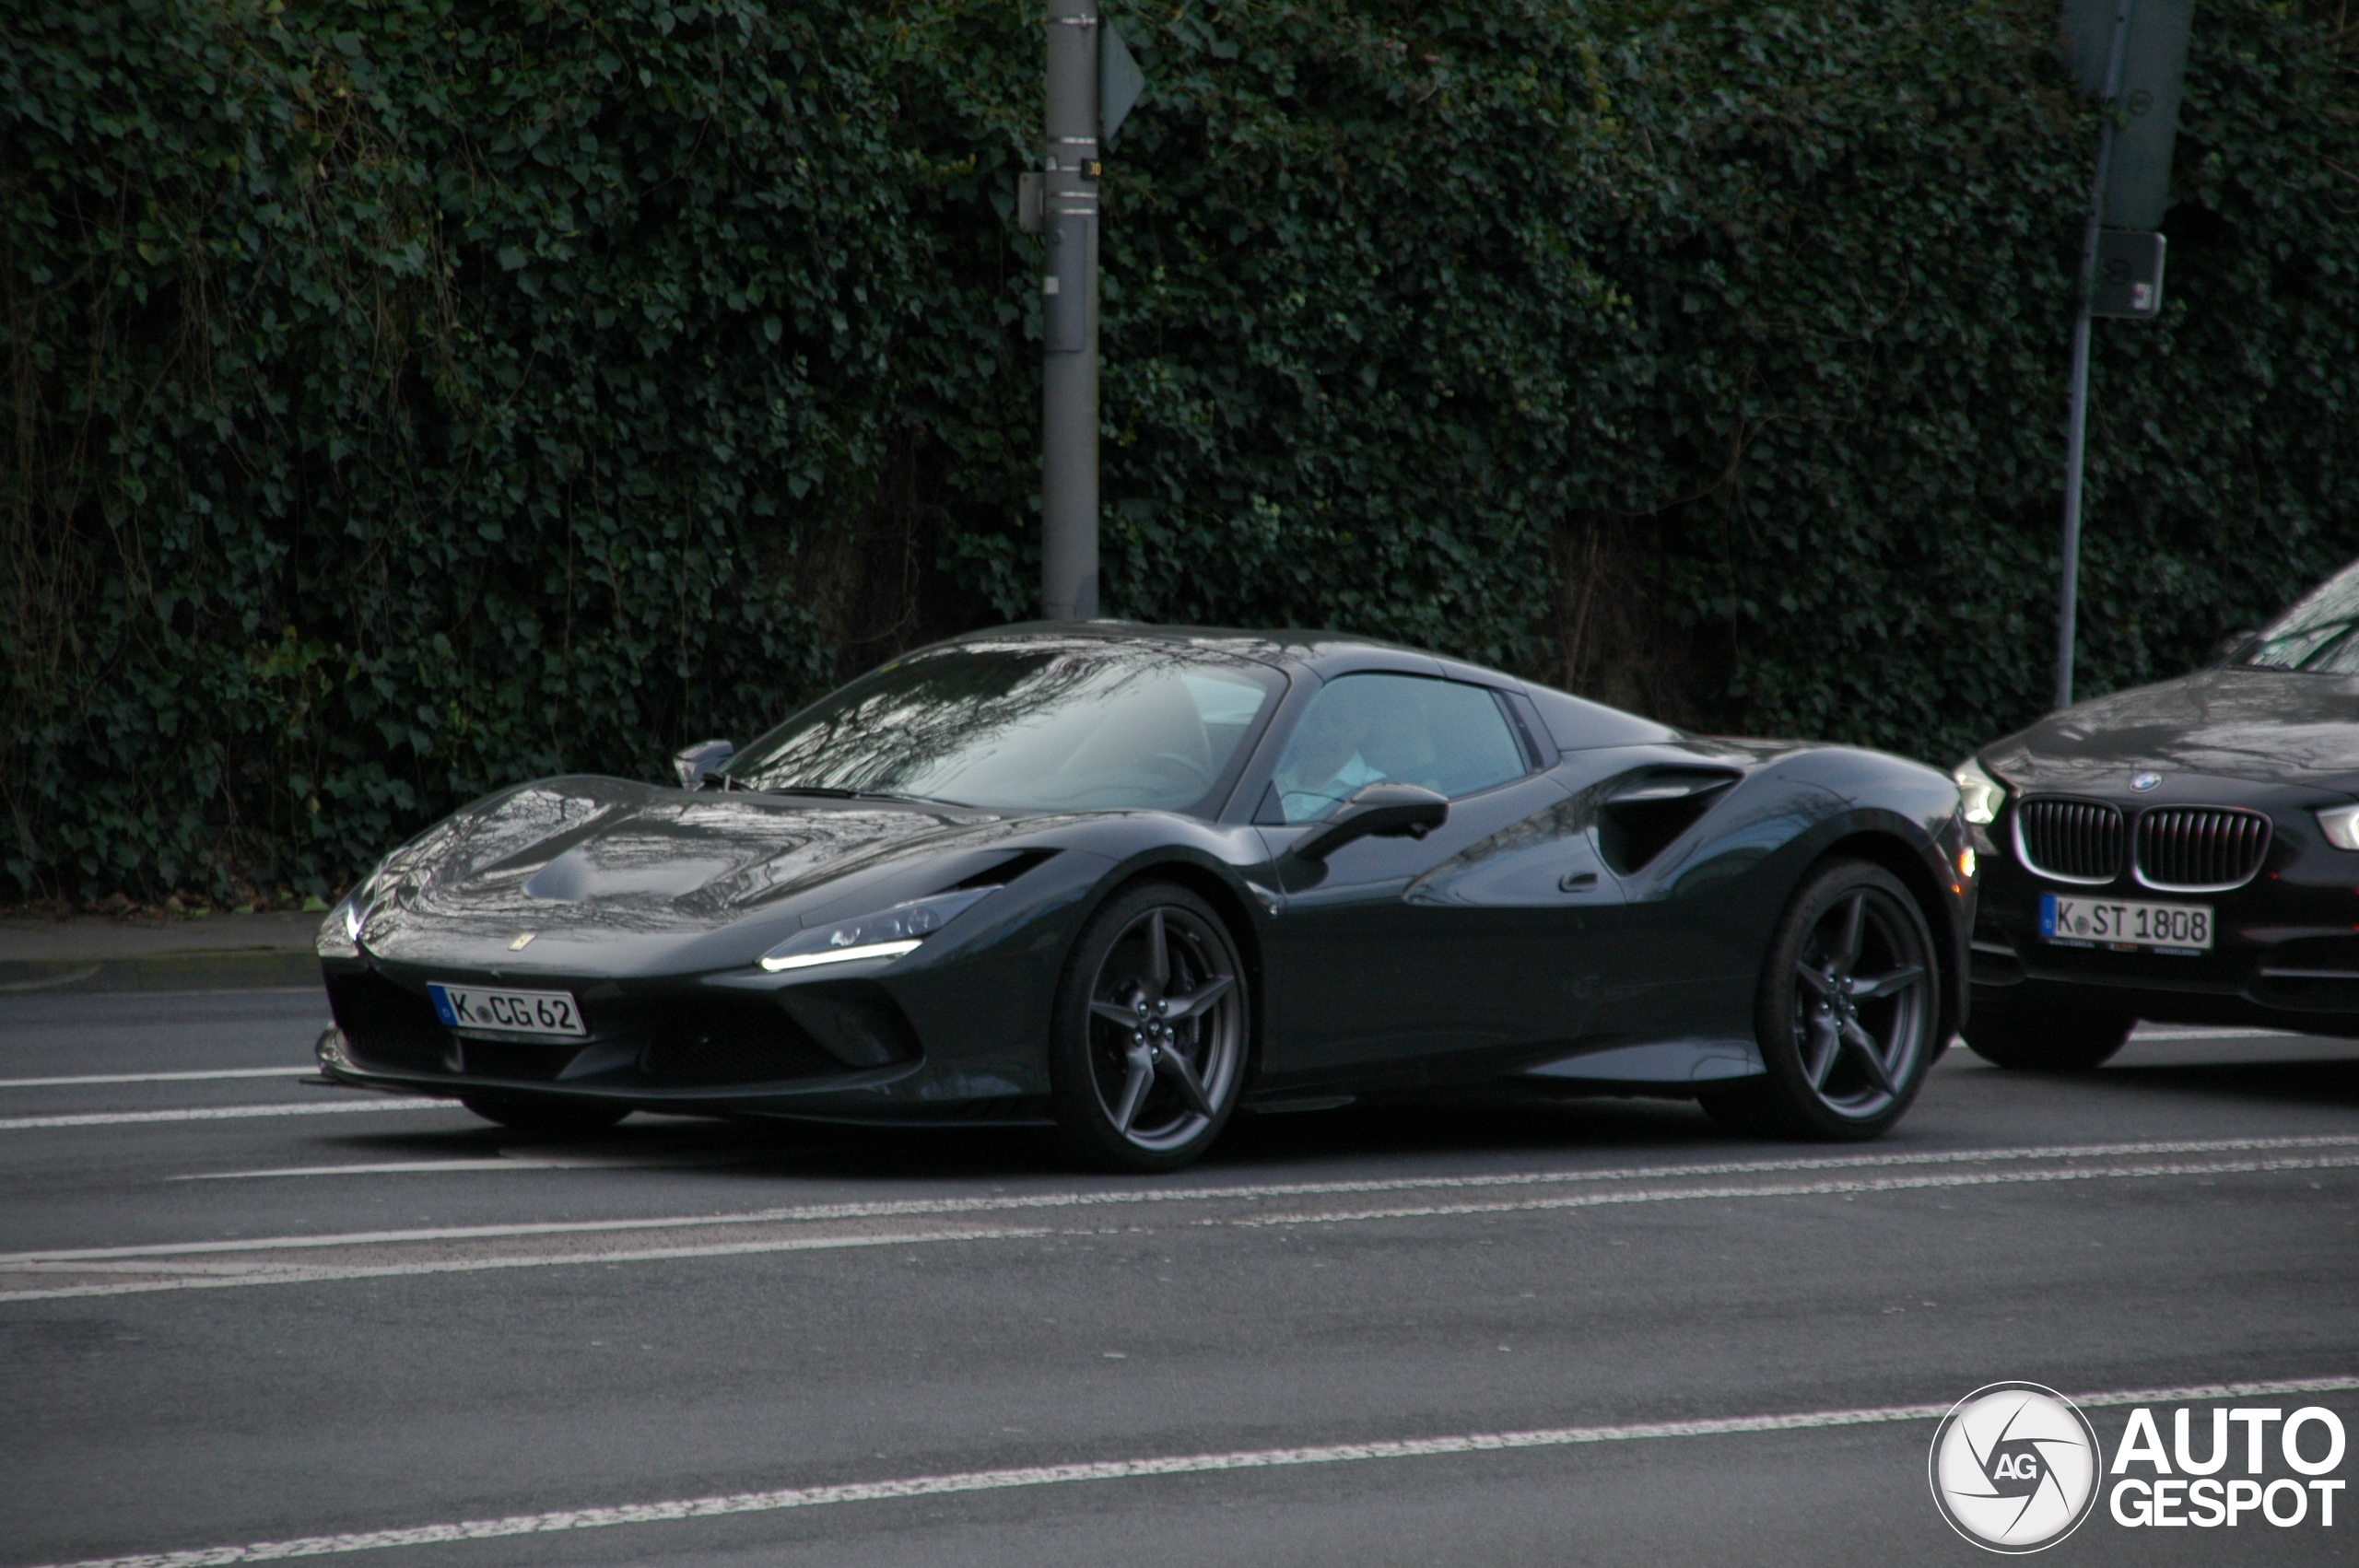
column 628, row 856
column 2264, row 726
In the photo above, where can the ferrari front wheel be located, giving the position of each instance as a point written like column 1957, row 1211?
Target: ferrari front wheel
column 1148, row 1045
column 1848, row 1013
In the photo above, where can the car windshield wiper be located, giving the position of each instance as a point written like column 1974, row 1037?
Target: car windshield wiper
column 830, row 792
column 824, row 790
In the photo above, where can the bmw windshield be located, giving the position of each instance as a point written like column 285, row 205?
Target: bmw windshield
column 2317, row 633
column 1025, row 724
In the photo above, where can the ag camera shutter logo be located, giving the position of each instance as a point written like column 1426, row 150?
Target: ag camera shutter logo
column 2014, row 1466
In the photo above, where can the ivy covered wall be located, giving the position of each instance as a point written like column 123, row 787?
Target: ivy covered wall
column 404, row 398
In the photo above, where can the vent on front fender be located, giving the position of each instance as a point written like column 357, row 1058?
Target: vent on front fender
column 2077, row 841
column 1645, row 812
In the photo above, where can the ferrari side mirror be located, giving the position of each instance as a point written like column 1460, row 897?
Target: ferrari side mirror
column 1383, row 810
column 699, row 761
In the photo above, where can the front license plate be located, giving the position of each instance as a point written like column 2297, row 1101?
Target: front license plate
column 2183, row 927
column 506, row 1012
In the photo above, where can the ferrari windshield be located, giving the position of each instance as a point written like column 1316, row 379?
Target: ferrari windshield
column 2317, row 633
column 1078, row 725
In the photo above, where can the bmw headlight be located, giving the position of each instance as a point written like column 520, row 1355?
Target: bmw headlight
column 889, row 933
column 1983, row 794
column 2340, row 825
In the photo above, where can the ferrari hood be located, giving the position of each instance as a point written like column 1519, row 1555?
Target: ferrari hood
column 630, row 856
column 2258, row 725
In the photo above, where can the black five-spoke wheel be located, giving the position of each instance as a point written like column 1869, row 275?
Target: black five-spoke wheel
column 1847, row 1011
column 1151, row 1043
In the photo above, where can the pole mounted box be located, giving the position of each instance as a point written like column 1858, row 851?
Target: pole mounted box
column 1064, row 286
column 2130, row 275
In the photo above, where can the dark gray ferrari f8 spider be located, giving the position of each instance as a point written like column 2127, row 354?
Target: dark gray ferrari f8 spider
column 1127, row 879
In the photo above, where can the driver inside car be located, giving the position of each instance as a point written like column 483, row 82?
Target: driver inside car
column 1326, row 760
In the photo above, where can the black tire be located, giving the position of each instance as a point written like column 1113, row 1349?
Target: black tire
column 533, row 1113
column 1848, row 1013
column 2015, row 1031
column 1149, row 1040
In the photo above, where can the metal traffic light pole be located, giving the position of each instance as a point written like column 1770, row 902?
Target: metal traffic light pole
column 2077, row 420
column 1068, row 318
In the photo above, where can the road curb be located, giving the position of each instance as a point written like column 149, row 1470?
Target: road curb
column 231, row 969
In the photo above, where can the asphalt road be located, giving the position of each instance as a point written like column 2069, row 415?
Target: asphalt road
column 238, row 1310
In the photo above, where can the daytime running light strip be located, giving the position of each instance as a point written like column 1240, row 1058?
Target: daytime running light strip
column 842, row 954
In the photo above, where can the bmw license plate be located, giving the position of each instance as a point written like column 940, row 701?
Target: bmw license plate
column 505, row 1012
column 2097, row 922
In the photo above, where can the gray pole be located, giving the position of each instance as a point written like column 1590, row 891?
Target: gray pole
column 2077, row 420
column 1069, row 317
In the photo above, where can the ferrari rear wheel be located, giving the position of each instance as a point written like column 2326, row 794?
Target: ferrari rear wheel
column 1848, row 1013
column 532, row 1113
column 1150, row 1034
column 2014, row 1032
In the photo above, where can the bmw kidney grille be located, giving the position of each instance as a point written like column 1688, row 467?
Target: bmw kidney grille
column 2070, row 840
column 2200, row 849
column 2174, row 849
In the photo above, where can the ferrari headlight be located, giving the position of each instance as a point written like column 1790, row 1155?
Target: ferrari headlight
column 1984, row 795
column 340, row 932
column 885, row 934
column 2340, row 825
column 336, row 938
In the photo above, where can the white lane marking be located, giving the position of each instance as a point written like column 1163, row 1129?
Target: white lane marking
column 389, row 1168
column 496, row 1162
column 2210, row 1032
column 227, row 1113
column 307, row 1274
column 710, row 1507
column 891, row 1209
column 289, row 1274
column 156, row 1077
column 1804, row 1189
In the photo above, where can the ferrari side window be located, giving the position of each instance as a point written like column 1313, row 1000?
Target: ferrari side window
column 1448, row 736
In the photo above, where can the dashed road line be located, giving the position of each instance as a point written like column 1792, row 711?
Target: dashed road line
column 156, row 1077
column 226, row 1113
column 1809, row 1190
column 219, row 1276
column 616, row 1161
